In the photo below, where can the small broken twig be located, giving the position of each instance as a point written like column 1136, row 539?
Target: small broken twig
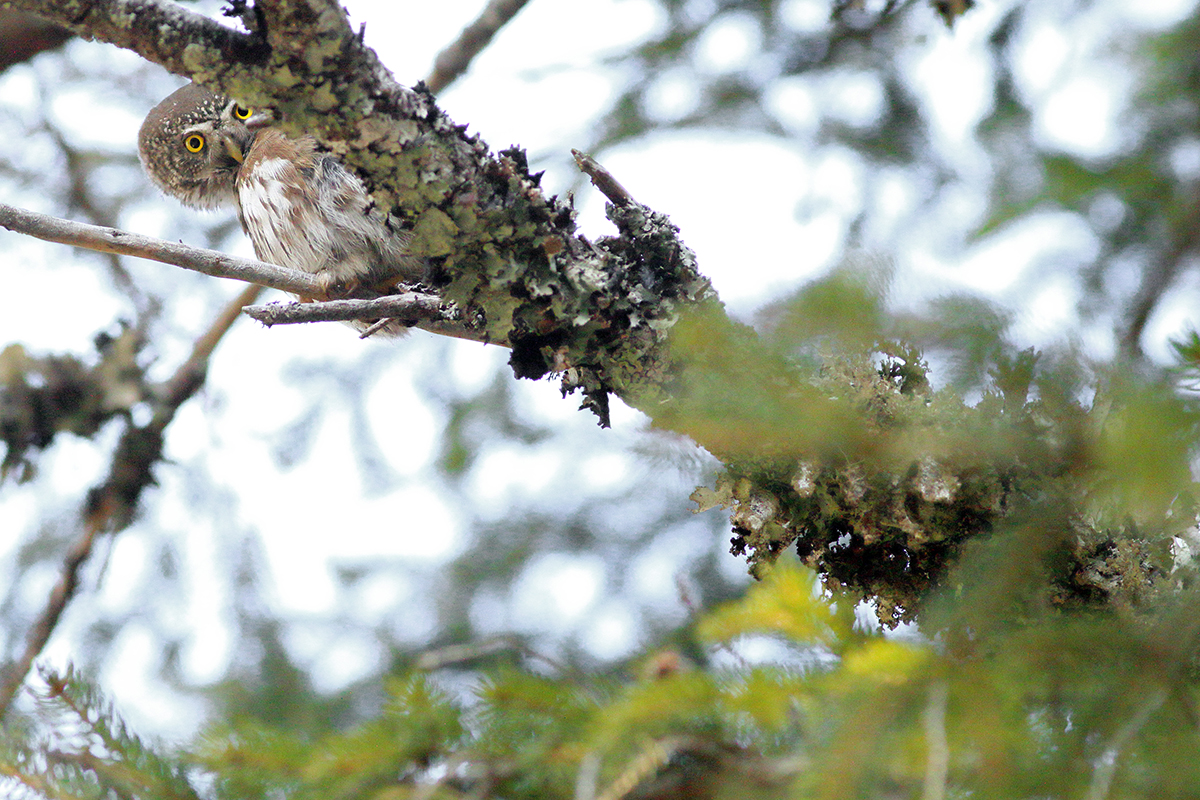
column 374, row 328
column 602, row 179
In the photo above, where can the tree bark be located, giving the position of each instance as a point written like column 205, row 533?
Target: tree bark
column 24, row 35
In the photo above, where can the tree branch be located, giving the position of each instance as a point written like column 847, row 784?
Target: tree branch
column 407, row 306
column 630, row 314
column 505, row 253
column 114, row 240
column 39, row 634
column 159, row 31
column 429, row 311
column 453, row 61
column 24, row 35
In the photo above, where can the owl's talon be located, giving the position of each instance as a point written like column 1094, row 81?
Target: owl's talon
column 334, row 289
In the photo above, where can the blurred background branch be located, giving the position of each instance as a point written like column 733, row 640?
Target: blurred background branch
column 452, row 63
column 113, row 505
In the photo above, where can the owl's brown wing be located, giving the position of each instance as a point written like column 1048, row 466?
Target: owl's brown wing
column 304, row 210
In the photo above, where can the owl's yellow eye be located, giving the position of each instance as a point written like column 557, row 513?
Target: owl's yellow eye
column 241, row 112
column 194, row 143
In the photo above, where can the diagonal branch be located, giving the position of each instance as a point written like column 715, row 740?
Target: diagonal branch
column 14, row 674
column 498, row 247
column 453, row 61
column 629, row 315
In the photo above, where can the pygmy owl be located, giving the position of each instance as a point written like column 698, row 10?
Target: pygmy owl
column 301, row 208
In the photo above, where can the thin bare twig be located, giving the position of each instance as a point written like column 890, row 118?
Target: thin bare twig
column 109, row 506
column 603, row 180
column 407, row 306
column 455, row 655
column 426, row 311
column 374, row 328
column 453, row 61
column 411, row 305
column 114, row 240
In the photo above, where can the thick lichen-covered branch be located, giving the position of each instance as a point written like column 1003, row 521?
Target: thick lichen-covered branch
column 498, row 247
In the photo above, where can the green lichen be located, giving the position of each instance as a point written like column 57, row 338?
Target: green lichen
column 434, row 234
column 198, row 61
column 323, row 99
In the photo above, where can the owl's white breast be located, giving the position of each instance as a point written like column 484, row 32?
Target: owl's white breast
column 280, row 214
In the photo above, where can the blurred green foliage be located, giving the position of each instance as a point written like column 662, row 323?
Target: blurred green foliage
column 1062, row 705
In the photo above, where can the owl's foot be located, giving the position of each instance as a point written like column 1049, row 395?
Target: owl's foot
column 389, row 285
column 334, row 289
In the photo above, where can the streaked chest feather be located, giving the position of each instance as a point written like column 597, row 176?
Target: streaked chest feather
column 280, row 213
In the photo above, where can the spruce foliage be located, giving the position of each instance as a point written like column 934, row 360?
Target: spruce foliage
column 1065, row 704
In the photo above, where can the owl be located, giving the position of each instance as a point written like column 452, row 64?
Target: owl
column 301, row 208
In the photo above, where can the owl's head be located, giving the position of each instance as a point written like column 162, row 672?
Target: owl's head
column 192, row 144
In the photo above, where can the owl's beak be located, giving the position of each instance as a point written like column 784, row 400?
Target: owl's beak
column 237, row 142
column 234, row 148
